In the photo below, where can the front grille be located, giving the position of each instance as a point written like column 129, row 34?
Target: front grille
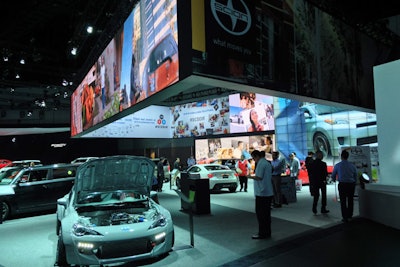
column 367, row 140
column 365, row 124
column 117, row 249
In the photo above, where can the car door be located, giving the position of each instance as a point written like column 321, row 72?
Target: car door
column 60, row 183
column 31, row 191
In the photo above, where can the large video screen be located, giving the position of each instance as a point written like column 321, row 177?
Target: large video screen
column 141, row 60
column 305, row 126
column 225, row 148
column 251, row 112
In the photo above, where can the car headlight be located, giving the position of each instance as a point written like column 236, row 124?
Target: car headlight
column 159, row 221
column 81, row 230
column 332, row 121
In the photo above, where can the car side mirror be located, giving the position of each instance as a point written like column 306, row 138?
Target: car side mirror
column 62, row 202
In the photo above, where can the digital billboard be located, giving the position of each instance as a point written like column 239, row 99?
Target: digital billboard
column 305, row 126
column 251, row 112
column 224, row 148
column 141, row 60
column 207, row 117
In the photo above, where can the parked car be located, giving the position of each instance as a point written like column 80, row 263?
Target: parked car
column 4, row 162
column 220, row 176
column 109, row 216
column 162, row 67
column 167, row 169
column 35, row 189
column 25, row 163
column 330, row 128
column 81, row 160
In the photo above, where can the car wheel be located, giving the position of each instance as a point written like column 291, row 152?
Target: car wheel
column 61, row 257
column 321, row 143
column 5, row 211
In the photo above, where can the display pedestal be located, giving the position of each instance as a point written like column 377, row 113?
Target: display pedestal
column 199, row 191
column 288, row 188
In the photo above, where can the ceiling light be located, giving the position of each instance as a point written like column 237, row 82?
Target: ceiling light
column 64, row 82
column 5, row 58
column 74, row 50
column 17, row 76
column 89, row 29
column 22, row 61
column 29, row 114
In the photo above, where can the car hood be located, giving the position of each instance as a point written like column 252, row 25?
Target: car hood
column 114, row 173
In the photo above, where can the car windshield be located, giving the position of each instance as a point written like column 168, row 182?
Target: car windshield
column 6, row 176
column 107, row 198
column 165, row 50
column 322, row 109
column 114, row 178
column 216, row 167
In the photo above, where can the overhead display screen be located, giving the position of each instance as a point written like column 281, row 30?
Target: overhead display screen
column 251, row 112
column 141, row 60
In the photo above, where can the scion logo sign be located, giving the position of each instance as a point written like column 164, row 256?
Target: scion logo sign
column 233, row 18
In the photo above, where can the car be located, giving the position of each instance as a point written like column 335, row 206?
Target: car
column 81, row 160
column 167, row 169
column 220, row 176
column 34, row 189
column 162, row 67
column 4, row 162
column 109, row 216
column 330, row 128
column 25, row 163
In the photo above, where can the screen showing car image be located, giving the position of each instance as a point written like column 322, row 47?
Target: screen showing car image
column 141, row 60
column 251, row 112
column 305, row 126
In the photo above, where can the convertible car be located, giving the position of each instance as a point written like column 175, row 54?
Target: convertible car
column 109, row 216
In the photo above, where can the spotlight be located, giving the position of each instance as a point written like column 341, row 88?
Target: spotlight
column 5, row 58
column 89, row 29
column 64, row 82
column 17, row 76
column 22, row 61
column 29, row 114
column 74, row 50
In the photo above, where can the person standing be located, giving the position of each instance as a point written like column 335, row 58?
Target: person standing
column 244, row 166
column 160, row 174
column 263, row 192
column 294, row 165
column 191, row 161
column 278, row 167
column 346, row 173
column 308, row 160
column 318, row 172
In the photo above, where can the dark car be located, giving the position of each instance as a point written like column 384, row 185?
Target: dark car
column 35, row 189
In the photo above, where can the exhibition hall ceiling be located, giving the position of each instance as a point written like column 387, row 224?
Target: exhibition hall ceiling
column 43, row 33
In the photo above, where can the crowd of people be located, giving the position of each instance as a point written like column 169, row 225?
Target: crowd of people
column 267, row 175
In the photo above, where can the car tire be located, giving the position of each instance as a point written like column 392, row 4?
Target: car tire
column 58, row 227
column 321, row 143
column 5, row 211
column 61, row 257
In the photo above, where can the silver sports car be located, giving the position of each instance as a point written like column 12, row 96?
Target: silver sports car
column 109, row 216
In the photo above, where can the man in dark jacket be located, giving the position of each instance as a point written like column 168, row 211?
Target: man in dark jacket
column 160, row 174
column 318, row 173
